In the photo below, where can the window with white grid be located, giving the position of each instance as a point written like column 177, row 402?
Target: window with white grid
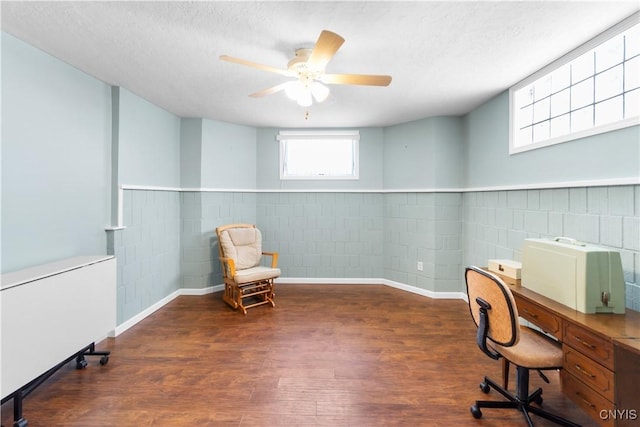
column 592, row 90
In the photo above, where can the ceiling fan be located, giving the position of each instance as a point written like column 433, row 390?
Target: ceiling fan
column 308, row 68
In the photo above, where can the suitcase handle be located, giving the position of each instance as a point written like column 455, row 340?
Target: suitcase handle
column 568, row 240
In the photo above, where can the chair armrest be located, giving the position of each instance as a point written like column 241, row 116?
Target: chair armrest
column 274, row 258
column 228, row 267
column 483, row 329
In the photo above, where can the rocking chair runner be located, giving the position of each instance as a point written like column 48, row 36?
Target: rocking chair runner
column 245, row 279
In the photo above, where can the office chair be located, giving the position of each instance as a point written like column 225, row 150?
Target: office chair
column 499, row 334
column 245, row 279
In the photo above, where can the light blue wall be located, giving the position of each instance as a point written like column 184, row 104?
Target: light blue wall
column 423, row 227
column 149, row 143
column 424, row 154
column 371, row 164
column 408, row 156
column 56, row 189
column 148, row 250
column 449, row 152
column 324, row 235
column 228, row 155
column 202, row 212
column 222, row 156
column 190, row 153
column 56, row 139
column 609, row 155
column 497, row 222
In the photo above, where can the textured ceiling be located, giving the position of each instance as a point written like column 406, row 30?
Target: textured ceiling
column 446, row 58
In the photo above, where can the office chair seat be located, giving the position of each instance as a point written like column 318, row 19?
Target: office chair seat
column 534, row 350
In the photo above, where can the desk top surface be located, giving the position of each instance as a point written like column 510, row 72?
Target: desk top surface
column 613, row 326
column 631, row 344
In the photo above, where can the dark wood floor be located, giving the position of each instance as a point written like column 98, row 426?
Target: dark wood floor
column 330, row 355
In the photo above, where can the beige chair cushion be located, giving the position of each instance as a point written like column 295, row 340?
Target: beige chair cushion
column 255, row 274
column 244, row 245
column 534, row 350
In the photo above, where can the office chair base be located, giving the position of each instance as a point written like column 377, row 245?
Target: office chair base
column 523, row 404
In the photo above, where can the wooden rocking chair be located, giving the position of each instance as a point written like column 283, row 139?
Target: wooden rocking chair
column 245, row 279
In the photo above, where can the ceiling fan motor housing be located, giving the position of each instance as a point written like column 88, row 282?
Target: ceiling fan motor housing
column 299, row 65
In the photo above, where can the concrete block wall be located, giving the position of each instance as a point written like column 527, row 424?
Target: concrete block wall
column 169, row 241
column 448, row 242
column 147, row 250
column 333, row 235
column 323, row 235
column 202, row 212
column 497, row 222
column 425, row 228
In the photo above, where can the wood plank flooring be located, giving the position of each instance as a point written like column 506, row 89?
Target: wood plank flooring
column 327, row 355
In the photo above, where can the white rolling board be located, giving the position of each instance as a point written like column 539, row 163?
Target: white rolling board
column 52, row 311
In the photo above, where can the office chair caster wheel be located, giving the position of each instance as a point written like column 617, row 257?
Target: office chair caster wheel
column 484, row 387
column 81, row 364
column 104, row 360
column 476, row 412
column 538, row 400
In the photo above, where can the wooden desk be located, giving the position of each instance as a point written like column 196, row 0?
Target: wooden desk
column 601, row 367
column 627, row 361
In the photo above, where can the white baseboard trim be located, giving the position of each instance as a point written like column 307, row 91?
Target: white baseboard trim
column 425, row 292
column 285, row 281
column 370, row 281
column 144, row 313
column 164, row 301
column 326, row 281
column 202, row 291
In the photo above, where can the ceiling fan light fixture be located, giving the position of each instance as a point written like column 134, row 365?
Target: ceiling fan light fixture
column 304, row 94
column 309, row 67
column 319, row 91
column 304, row 97
column 293, row 89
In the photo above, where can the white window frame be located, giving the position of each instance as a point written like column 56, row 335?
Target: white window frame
column 312, row 136
column 544, row 72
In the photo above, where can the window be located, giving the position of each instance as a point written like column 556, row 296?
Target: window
column 319, row 154
column 594, row 89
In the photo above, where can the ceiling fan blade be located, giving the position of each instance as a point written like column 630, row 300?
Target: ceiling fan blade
column 327, row 45
column 269, row 91
column 256, row 65
column 355, row 79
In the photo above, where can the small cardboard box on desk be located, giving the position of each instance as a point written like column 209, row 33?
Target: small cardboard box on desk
column 506, row 267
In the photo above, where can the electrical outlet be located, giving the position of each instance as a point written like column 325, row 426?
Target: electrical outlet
column 420, row 266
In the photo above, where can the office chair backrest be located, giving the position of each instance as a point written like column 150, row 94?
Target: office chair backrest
column 489, row 294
